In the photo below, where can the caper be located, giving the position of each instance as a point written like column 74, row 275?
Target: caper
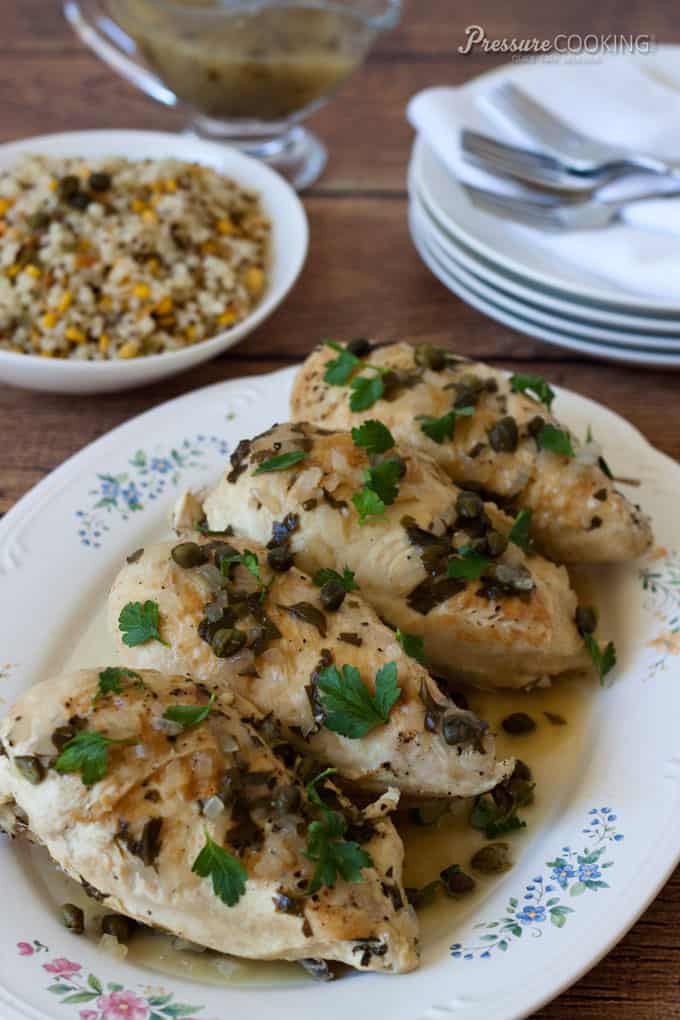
column 431, row 357
column 332, row 594
column 504, row 435
column 318, row 969
column 492, row 859
column 30, row 767
column 227, row 641
column 535, row 425
column 231, row 784
column 401, row 464
column 360, row 347
column 39, row 220
column 515, row 577
column 121, row 927
column 455, row 881
column 521, row 770
column 286, row 800
column 189, row 554
column 586, row 619
column 517, row 723
column 496, row 543
column 79, row 200
column 280, row 558
column 463, row 728
column 72, row 918
column 469, row 504
column 68, row 186
column 391, row 384
column 100, row 181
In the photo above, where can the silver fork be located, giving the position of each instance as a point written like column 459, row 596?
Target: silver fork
column 577, row 151
column 533, row 167
column 550, row 214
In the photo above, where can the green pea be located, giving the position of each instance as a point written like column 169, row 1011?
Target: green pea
column 189, row 554
column 30, row 767
column 504, row 435
column 73, row 918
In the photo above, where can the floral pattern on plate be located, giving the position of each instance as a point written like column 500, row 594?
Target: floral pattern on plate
column 661, row 583
column 150, row 474
column 571, row 871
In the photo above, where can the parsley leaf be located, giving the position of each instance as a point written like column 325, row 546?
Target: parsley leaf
column 439, row 429
column 280, row 462
column 88, row 753
column 368, row 504
column 533, row 385
column 189, row 715
column 367, row 389
column 603, row 661
column 468, row 565
column 556, row 440
column 351, row 709
column 487, row 817
column 139, row 623
column 413, row 645
column 519, row 532
column 111, row 680
column 380, row 489
column 325, row 574
column 332, row 854
column 228, row 875
column 373, row 436
column 250, row 561
column 339, row 370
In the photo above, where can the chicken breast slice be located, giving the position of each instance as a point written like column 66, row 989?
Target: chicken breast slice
column 280, row 666
column 136, row 834
column 510, row 628
column 578, row 514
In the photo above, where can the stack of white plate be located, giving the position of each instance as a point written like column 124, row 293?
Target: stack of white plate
column 523, row 286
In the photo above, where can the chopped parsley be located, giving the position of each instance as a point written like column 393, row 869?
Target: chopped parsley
column 439, row 429
column 112, row 678
column 280, row 462
column 138, row 623
column 189, row 715
column 326, row 847
column 413, row 645
column 602, row 463
column 534, row 386
column 250, row 561
column 491, row 820
column 228, row 875
column 468, row 565
column 380, row 489
column 373, row 436
column 339, row 370
column 350, row 708
column 603, row 661
column 325, row 574
column 519, row 532
column 556, row 440
column 88, row 753
column 366, row 390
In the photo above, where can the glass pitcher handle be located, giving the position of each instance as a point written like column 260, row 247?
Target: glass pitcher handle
column 102, row 35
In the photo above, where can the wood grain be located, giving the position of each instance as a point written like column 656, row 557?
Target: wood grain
column 362, row 278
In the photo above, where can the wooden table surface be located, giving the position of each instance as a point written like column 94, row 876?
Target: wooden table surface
column 362, row 277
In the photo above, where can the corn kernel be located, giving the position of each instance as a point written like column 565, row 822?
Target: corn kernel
column 138, row 206
column 209, row 248
column 190, row 332
column 32, row 271
column 5, row 204
column 225, row 226
column 164, row 306
column 141, row 290
column 13, row 270
column 149, row 216
column 64, row 301
column 49, row 320
column 128, row 350
column 47, row 354
column 75, row 335
column 3, row 227
column 227, row 318
column 104, row 343
column 254, row 280
column 171, row 185
column 105, row 302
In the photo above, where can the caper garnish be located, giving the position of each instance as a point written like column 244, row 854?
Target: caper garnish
column 360, row 347
column 516, row 577
column 100, row 181
column 189, row 554
column 455, row 881
column 496, row 543
column 431, row 357
column 68, row 186
column 227, row 641
column 504, row 435
column 332, row 594
column 119, row 926
column 535, row 425
column 72, row 918
column 280, row 558
column 461, row 728
column 286, row 800
column 586, row 619
column 223, row 553
column 469, row 504
column 517, row 723
column 79, row 200
column 492, row 859
column 391, row 382
column 30, row 767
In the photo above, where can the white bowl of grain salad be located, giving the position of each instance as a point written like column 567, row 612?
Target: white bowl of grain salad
column 128, row 256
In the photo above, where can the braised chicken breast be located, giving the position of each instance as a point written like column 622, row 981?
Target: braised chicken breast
column 486, row 430
column 175, row 811
column 302, row 653
column 432, row 560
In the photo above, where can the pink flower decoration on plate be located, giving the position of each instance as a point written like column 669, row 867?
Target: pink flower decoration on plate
column 62, row 966
column 123, row 1006
column 25, row 949
column 88, row 1014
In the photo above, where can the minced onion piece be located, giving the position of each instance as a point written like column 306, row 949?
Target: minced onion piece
column 213, row 808
column 112, row 947
column 166, row 726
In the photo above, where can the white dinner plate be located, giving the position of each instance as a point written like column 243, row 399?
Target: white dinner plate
column 511, row 313
column 448, row 256
column 549, row 300
column 603, row 835
column 289, row 241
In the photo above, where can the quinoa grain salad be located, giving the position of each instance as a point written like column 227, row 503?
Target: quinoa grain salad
column 108, row 259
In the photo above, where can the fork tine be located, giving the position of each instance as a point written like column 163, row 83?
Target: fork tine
column 506, row 159
column 534, row 213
